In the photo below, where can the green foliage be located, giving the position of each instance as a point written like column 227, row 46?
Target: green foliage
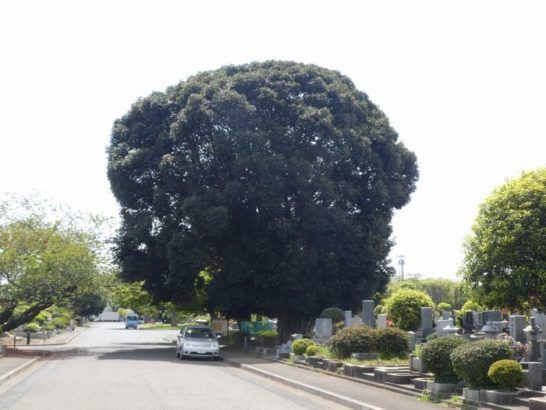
column 32, row 327
column 404, row 308
column 391, row 342
column 443, row 306
column 439, row 289
column 379, row 309
column 471, row 361
column 436, row 356
column 60, row 322
column 43, row 261
column 249, row 170
column 353, row 340
column 88, row 304
column 471, row 305
column 506, row 373
column 334, row 313
column 42, row 317
column 49, row 327
column 268, row 338
column 300, row 346
column 312, row 350
column 505, row 256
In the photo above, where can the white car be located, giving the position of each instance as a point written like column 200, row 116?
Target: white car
column 197, row 341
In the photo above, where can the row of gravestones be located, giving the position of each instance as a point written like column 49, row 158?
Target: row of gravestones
column 472, row 320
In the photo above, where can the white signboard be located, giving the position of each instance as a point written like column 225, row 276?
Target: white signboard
column 220, row 326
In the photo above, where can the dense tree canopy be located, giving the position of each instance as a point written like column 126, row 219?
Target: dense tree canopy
column 278, row 180
column 506, row 253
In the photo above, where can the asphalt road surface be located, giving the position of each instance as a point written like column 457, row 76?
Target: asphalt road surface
column 109, row 367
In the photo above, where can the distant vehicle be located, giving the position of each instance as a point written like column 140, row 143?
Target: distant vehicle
column 109, row 317
column 131, row 321
column 197, row 341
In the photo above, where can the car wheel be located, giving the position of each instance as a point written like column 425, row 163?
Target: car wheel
column 177, row 353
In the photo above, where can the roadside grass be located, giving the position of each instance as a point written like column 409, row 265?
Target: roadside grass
column 395, row 361
column 158, row 326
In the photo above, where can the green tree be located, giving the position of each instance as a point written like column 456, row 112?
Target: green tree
column 88, row 304
column 505, row 261
column 279, row 179
column 404, row 308
column 439, row 289
column 42, row 263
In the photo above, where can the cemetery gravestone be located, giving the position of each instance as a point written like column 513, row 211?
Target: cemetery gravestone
column 323, row 329
column 517, row 324
column 382, row 321
column 426, row 318
column 348, row 318
column 368, row 317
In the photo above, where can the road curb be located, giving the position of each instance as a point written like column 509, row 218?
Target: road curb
column 337, row 398
column 75, row 335
column 4, row 378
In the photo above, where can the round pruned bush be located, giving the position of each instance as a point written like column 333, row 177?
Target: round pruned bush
column 299, row 346
column 404, row 308
column 334, row 313
column 471, row 361
column 506, row 373
column 268, row 338
column 353, row 340
column 392, row 342
column 312, row 350
column 32, row 327
column 436, row 357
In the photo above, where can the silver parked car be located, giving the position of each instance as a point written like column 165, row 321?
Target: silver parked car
column 197, row 341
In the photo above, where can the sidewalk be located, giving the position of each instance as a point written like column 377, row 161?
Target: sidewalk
column 60, row 339
column 20, row 359
column 346, row 392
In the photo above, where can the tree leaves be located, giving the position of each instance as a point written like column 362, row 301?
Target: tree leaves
column 277, row 178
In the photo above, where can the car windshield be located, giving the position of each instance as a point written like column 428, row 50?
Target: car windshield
column 132, row 318
column 199, row 333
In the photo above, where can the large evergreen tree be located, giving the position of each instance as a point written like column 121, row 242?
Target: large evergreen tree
column 269, row 187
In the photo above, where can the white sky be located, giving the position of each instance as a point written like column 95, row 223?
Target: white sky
column 463, row 83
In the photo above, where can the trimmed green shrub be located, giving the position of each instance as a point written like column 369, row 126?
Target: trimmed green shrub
column 32, row 327
column 42, row 317
column 268, row 338
column 353, row 340
column 391, row 342
column 49, row 327
column 300, row 346
column 60, row 322
column 334, row 313
column 506, row 373
column 312, row 350
column 404, row 308
column 471, row 361
column 442, row 306
column 436, row 358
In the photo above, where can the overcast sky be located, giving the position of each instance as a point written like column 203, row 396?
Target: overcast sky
column 463, row 83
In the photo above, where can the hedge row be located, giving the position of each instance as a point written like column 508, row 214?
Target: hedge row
column 390, row 342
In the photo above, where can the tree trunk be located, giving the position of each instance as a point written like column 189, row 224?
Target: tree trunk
column 290, row 323
column 25, row 317
column 174, row 319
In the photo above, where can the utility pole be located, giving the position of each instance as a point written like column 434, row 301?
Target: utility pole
column 401, row 262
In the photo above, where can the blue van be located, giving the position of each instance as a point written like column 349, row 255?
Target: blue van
column 131, row 321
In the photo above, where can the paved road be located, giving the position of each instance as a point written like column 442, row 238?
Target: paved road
column 108, row 367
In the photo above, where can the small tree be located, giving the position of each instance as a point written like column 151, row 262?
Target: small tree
column 505, row 261
column 404, row 308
